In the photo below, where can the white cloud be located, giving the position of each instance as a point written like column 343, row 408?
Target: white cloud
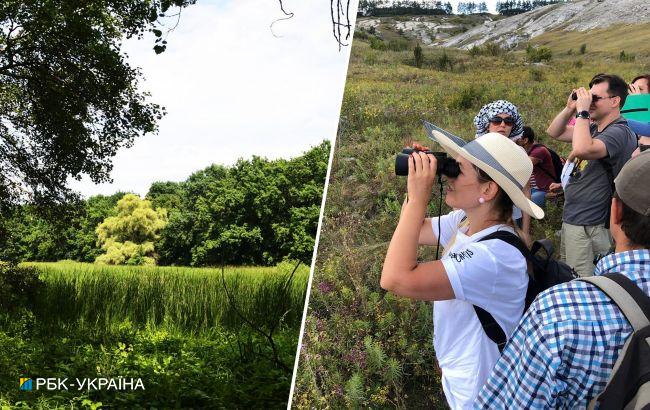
column 232, row 89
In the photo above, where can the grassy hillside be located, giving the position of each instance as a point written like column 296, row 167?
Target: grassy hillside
column 633, row 39
column 362, row 346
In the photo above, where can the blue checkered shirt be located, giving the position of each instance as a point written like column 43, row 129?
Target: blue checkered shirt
column 562, row 352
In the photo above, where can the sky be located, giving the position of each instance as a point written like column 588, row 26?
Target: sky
column 233, row 89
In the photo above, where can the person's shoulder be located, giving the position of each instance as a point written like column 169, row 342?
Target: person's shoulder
column 503, row 254
column 575, row 300
column 538, row 148
column 617, row 128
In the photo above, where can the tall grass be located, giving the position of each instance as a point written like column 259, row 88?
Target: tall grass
column 192, row 299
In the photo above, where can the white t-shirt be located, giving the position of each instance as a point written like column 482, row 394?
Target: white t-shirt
column 490, row 274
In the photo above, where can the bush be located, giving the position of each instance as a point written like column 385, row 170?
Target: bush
column 360, row 34
column 399, row 44
column 468, row 98
column 444, row 62
column 622, row 57
column 583, row 48
column 19, row 287
column 377, row 44
column 488, row 49
column 493, row 49
column 538, row 54
column 417, row 55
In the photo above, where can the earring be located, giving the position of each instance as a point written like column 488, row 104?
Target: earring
column 481, row 200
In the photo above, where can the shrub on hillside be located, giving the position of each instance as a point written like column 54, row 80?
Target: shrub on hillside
column 360, row 34
column 487, row 49
column 444, row 62
column 583, row 48
column 625, row 58
column 538, row 54
column 468, row 97
column 377, row 44
column 400, row 44
column 417, row 55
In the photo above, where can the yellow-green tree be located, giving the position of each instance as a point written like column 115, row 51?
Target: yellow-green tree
column 128, row 237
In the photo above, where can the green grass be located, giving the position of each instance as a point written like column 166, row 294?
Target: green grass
column 192, row 299
column 175, row 328
column 385, row 98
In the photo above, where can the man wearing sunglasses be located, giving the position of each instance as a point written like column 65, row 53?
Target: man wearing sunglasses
column 602, row 139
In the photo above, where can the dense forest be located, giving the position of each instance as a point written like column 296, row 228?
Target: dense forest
column 257, row 212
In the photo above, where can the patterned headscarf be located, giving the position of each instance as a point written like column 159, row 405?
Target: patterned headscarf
column 482, row 119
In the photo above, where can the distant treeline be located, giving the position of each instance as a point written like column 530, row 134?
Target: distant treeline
column 510, row 8
column 428, row 7
column 403, row 7
column 257, row 212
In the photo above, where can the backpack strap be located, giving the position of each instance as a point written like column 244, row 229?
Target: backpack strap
column 488, row 322
column 633, row 303
column 631, row 300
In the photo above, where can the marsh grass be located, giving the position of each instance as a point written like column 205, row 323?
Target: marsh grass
column 173, row 327
column 192, row 299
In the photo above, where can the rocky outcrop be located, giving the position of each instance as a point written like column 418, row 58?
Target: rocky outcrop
column 509, row 32
column 578, row 15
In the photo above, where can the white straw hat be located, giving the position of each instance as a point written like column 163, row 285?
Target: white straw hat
column 503, row 160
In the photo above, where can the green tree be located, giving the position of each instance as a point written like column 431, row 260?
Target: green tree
column 68, row 98
column 257, row 212
column 128, row 237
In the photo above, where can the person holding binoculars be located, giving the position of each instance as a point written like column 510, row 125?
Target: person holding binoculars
column 601, row 142
column 503, row 117
column 484, row 178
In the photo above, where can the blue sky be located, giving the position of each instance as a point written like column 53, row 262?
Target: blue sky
column 233, row 89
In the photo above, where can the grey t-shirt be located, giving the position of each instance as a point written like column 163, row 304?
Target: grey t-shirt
column 587, row 195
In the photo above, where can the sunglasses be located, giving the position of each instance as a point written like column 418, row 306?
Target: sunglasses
column 595, row 98
column 499, row 120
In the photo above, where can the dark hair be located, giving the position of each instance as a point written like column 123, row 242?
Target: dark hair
column 635, row 226
column 642, row 76
column 503, row 203
column 616, row 86
column 529, row 134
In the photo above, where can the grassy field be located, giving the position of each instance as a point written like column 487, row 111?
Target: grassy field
column 191, row 342
column 362, row 346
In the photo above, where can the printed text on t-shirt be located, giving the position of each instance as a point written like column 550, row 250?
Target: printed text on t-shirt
column 461, row 256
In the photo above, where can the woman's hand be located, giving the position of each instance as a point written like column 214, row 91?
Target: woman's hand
column 422, row 175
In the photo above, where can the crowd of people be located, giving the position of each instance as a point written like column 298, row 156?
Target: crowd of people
column 562, row 349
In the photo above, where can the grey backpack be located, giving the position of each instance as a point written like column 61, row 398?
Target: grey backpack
column 628, row 386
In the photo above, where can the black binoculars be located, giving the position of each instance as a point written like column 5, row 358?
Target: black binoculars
column 446, row 166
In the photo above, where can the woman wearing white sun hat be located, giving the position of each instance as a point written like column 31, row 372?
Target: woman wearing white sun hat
column 489, row 274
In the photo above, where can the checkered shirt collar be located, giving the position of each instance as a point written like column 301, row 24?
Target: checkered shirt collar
column 629, row 262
